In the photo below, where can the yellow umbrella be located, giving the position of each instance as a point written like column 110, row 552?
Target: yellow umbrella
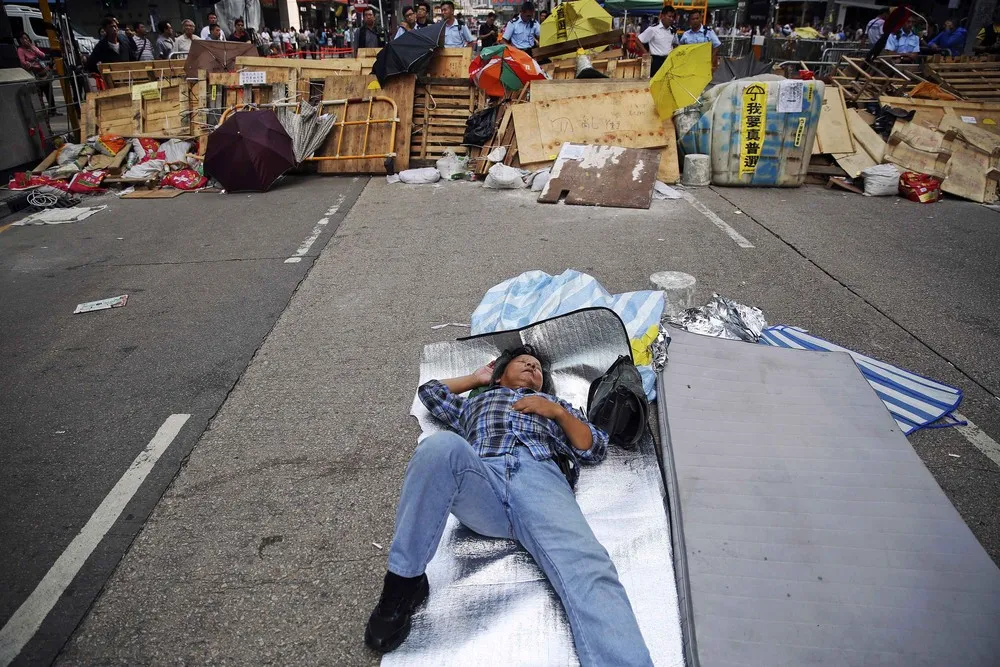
column 574, row 20
column 681, row 78
column 807, row 33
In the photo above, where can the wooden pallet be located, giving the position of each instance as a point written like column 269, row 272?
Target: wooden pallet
column 115, row 112
column 118, row 75
column 862, row 81
column 441, row 106
column 971, row 80
column 613, row 68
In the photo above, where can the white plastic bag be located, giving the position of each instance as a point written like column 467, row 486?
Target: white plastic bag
column 451, row 166
column 497, row 154
column 175, row 150
column 69, row 153
column 538, row 179
column 882, row 180
column 502, row 177
column 420, row 176
column 146, row 170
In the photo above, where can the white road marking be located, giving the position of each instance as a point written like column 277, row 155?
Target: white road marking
column 317, row 230
column 978, row 438
column 25, row 622
column 717, row 221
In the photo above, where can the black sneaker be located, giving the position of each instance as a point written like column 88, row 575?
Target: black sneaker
column 389, row 624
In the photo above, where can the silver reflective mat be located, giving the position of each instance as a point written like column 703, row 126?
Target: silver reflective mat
column 489, row 603
column 813, row 534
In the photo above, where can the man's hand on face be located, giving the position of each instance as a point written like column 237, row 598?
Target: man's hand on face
column 485, row 374
column 536, row 405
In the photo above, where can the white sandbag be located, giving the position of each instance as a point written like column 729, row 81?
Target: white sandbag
column 539, row 179
column 497, row 154
column 420, row 176
column 175, row 150
column 452, row 166
column 69, row 153
column 146, row 170
column 502, row 177
column 882, row 180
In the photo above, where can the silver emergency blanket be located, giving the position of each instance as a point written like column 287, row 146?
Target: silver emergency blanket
column 723, row 318
column 228, row 11
column 808, row 530
column 489, row 603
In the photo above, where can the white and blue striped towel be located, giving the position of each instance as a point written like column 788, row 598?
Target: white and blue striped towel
column 534, row 296
column 913, row 400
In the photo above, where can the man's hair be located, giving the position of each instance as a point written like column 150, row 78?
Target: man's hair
column 528, row 6
column 161, row 27
column 509, row 355
column 239, row 20
column 667, row 9
column 490, row 15
column 213, row 27
column 135, row 26
column 108, row 22
column 211, row 14
column 369, row 9
column 405, row 9
column 447, row 2
column 183, row 23
column 425, row 5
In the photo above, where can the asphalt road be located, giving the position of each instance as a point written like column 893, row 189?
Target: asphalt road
column 269, row 547
column 207, row 278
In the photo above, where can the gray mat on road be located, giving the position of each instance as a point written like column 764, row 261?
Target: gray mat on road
column 812, row 533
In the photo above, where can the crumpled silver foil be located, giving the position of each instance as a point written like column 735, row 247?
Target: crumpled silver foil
column 723, row 318
column 489, row 603
column 659, row 349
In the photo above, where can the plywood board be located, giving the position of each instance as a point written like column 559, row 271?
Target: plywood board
column 450, row 63
column 398, row 88
column 153, row 194
column 611, row 176
column 354, row 65
column 832, row 133
column 641, row 127
column 916, row 148
column 854, row 163
column 930, row 112
column 866, row 139
column 972, row 171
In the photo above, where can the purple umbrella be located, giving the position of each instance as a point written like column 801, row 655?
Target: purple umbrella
column 249, row 151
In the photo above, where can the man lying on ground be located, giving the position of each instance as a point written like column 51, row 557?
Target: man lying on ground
column 506, row 469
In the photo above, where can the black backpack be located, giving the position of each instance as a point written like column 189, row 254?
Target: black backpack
column 617, row 403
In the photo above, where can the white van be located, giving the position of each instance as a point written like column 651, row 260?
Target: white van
column 30, row 21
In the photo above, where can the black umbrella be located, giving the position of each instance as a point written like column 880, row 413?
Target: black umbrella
column 249, row 151
column 738, row 68
column 410, row 53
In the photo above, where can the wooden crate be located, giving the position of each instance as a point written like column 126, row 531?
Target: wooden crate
column 115, row 112
column 440, row 109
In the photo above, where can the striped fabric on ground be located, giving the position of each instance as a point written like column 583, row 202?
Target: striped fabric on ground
column 913, row 400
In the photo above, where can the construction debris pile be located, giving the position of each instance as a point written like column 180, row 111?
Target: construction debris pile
column 576, row 121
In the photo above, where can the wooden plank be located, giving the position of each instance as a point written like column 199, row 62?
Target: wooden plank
column 589, row 42
column 917, row 148
column 401, row 90
column 832, row 133
column 163, row 193
column 930, row 112
column 604, row 176
column 543, row 91
column 854, row 163
column 867, row 140
column 49, row 160
column 972, row 171
column 450, row 63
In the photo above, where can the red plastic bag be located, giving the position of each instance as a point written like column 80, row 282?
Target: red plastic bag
column 920, row 188
column 88, row 182
column 185, row 179
column 145, row 148
column 25, row 181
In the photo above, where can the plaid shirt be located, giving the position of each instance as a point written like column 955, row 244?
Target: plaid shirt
column 493, row 428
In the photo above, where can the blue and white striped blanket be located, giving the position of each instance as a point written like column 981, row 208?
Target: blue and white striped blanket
column 534, row 296
column 913, row 400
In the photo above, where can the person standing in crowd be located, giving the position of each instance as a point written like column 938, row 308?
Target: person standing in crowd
column 182, row 44
column 215, row 33
column 904, row 41
column 488, row 31
column 660, row 39
column 523, row 32
column 240, row 33
column 32, row 60
column 368, row 35
column 986, row 38
column 165, row 42
column 111, row 49
column 207, row 30
column 143, row 46
column 542, row 15
column 301, row 42
column 456, row 33
column 409, row 22
column 950, row 41
column 873, row 31
column 697, row 33
column 423, row 14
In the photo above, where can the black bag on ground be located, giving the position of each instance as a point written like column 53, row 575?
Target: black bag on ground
column 617, row 403
column 480, row 127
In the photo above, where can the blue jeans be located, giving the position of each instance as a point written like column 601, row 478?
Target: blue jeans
column 514, row 496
